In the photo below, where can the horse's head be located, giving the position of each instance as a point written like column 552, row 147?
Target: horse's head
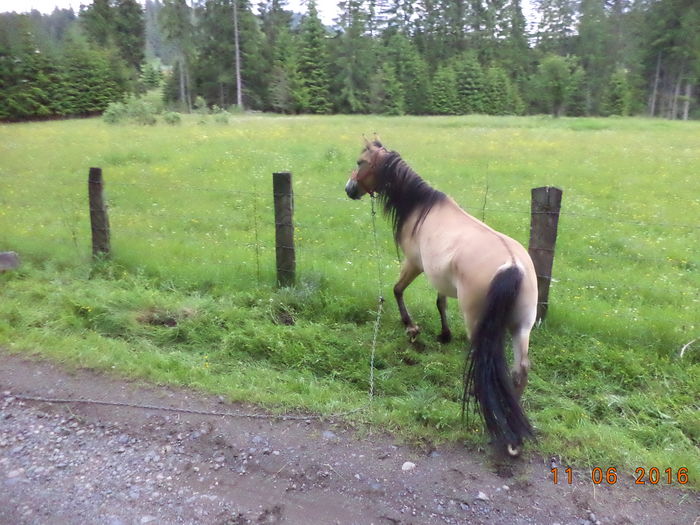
column 365, row 177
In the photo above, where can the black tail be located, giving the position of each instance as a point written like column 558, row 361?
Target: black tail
column 487, row 376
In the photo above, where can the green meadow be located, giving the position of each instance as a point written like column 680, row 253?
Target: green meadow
column 189, row 296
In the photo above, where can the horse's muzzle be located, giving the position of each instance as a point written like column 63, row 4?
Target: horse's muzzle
column 352, row 188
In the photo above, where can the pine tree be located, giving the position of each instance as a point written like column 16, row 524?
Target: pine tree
column 255, row 67
column 151, row 77
column 557, row 25
column 470, row 84
column 155, row 46
column 513, row 52
column 443, row 93
column 275, row 46
column 412, row 73
column 215, row 70
column 592, row 47
column 285, row 83
column 386, row 92
column 28, row 79
column 617, row 98
column 281, row 95
column 118, row 24
column 672, row 56
column 313, row 64
column 98, row 22
column 353, row 59
column 400, row 14
column 130, row 32
column 498, row 96
column 578, row 96
column 93, row 78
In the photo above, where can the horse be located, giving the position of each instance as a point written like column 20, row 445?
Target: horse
column 491, row 275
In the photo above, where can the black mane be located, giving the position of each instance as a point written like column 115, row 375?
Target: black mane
column 402, row 192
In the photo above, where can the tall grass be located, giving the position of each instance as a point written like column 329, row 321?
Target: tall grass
column 190, row 295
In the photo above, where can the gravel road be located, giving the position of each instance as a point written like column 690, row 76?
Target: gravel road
column 94, row 464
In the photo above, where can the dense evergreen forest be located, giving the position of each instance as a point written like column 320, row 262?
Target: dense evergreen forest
column 445, row 57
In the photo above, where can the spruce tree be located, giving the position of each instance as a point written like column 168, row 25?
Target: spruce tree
column 498, row 92
column 98, row 22
column 386, row 92
column 443, row 93
column 281, row 96
column 617, row 97
column 314, row 92
column 118, row 24
column 591, row 48
column 471, row 88
column 411, row 72
column 130, row 32
column 93, row 78
column 29, row 80
column 578, row 94
column 275, row 47
column 354, row 59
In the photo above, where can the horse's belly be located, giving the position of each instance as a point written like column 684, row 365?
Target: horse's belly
column 441, row 279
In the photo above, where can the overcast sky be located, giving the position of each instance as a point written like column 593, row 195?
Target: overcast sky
column 326, row 8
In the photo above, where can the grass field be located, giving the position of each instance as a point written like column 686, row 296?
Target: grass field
column 189, row 297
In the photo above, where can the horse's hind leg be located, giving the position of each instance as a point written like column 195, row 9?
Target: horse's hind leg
column 408, row 274
column 521, row 363
column 445, row 336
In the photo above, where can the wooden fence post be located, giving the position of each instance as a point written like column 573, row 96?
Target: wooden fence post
column 99, row 221
column 284, row 228
column 546, row 204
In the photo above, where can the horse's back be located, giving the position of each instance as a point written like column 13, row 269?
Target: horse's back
column 461, row 255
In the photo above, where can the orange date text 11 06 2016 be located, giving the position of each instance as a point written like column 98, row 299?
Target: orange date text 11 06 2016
column 642, row 476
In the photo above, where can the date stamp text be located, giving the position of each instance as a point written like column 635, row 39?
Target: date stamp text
column 642, row 476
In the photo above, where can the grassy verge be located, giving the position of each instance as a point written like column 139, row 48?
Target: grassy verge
column 189, row 297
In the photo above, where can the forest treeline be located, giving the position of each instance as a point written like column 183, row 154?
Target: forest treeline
column 445, row 57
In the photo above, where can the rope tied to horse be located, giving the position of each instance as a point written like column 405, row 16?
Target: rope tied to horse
column 380, row 301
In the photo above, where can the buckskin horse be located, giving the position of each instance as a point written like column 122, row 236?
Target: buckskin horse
column 490, row 274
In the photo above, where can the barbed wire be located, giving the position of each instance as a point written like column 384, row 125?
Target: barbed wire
column 187, row 187
column 192, row 411
column 562, row 282
column 254, row 201
column 610, row 219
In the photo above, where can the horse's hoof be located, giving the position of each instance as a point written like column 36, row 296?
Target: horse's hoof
column 412, row 332
column 513, row 452
column 444, row 337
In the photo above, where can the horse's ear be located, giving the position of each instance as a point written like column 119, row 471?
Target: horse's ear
column 366, row 141
column 377, row 141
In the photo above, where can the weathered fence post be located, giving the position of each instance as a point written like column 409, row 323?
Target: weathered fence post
column 546, row 204
column 284, row 228
column 99, row 221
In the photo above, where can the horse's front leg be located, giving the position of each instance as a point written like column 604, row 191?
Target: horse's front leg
column 408, row 274
column 445, row 335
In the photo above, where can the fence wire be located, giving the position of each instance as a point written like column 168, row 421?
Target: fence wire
column 242, row 221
